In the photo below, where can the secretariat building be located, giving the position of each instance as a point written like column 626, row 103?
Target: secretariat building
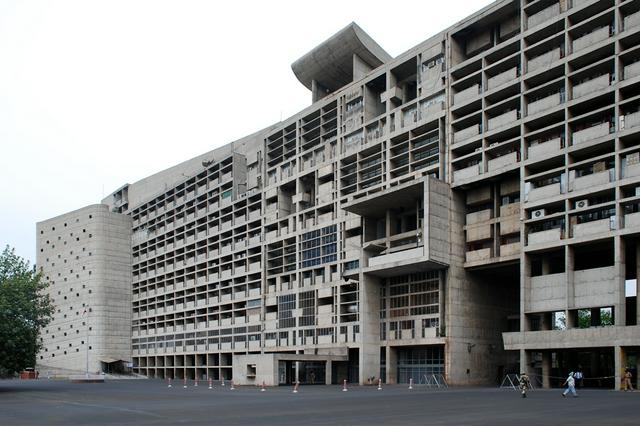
column 468, row 209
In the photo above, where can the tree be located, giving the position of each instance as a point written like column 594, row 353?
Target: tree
column 24, row 310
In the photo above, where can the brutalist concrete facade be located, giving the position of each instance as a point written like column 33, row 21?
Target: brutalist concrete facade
column 466, row 209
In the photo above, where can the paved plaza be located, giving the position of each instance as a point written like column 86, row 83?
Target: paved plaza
column 150, row 402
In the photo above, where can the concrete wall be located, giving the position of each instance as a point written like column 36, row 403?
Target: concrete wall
column 85, row 255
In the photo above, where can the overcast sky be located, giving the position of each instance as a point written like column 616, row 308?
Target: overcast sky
column 95, row 94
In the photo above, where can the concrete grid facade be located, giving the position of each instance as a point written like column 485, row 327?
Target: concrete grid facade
column 469, row 208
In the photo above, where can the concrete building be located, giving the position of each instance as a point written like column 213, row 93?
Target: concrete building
column 469, row 208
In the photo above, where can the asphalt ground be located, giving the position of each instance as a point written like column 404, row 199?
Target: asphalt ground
column 151, row 402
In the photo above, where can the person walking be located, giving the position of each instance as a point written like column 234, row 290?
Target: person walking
column 524, row 384
column 578, row 376
column 626, row 380
column 571, row 386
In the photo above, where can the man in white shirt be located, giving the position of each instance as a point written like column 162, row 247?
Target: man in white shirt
column 571, row 386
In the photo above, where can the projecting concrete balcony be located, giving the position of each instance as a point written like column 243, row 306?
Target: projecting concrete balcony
column 544, row 104
column 544, row 192
column 591, row 86
column 589, row 181
column 326, row 170
column 503, row 161
column 502, row 78
column 466, row 94
column 632, row 220
column 478, row 255
column 543, row 16
column 631, row 21
column 466, row 133
column 304, row 197
column 466, row 173
column 510, row 225
column 512, row 249
column 478, row 233
column 255, row 214
column 543, row 237
column 631, row 170
column 503, row 119
column 430, row 77
column 591, row 133
column 544, row 61
column 509, row 210
column 595, row 286
column 632, row 70
column 540, row 150
column 632, row 120
column 479, row 216
column 547, row 293
column 325, row 340
column 431, row 110
column 590, row 228
column 590, row 39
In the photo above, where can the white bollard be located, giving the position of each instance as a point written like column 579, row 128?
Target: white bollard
column 210, row 383
column 379, row 384
column 222, row 384
column 262, row 389
column 185, row 383
column 410, row 384
column 344, row 386
column 295, row 388
column 169, row 382
column 231, row 388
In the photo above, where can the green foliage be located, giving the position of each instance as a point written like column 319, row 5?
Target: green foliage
column 24, row 310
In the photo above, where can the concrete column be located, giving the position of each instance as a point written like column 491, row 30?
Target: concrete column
column 618, row 356
column 620, row 310
column 369, row 353
column 391, row 367
column 297, row 367
column 546, row 369
column 638, row 285
column 568, row 267
column 525, row 362
column 327, row 373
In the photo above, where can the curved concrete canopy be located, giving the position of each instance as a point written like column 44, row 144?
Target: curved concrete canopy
column 331, row 63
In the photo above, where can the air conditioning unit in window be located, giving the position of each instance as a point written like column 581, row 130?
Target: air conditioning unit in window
column 494, row 144
column 580, row 204
column 537, row 214
column 637, row 191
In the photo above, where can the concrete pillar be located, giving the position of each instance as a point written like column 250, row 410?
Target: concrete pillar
column 369, row 353
column 618, row 357
column 327, row 373
column 620, row 309
column 297, row 373
column 546, row 369
column 568, row 267
column 392, row 364
column 525, row 362
column 638, row 285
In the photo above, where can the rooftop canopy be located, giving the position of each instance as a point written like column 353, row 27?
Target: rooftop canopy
column 331, row 64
